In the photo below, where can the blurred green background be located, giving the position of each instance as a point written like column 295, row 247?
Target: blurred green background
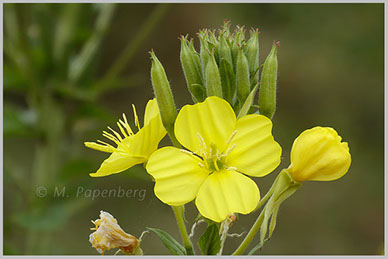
column 70, row 70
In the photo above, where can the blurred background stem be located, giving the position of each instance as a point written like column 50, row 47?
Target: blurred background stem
column 129, row 51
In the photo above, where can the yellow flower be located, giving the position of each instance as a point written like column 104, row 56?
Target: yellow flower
column 133, row 148
column 319, row 155
column 224, row 149
column 108, row 234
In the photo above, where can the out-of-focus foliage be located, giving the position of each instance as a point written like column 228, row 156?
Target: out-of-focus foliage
column 72, row 69
column 53, row 81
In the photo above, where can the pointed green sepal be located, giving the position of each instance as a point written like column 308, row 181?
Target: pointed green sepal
column 248, row 103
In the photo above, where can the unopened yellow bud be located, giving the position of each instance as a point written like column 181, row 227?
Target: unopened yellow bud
column 319, row 155
column 108, row 234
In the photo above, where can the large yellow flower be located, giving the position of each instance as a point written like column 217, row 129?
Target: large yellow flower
column 131, row 148
column 223, row 150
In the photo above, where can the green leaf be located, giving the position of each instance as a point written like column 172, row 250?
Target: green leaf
column 248, row 103
column 209, row 242
column 172, row 245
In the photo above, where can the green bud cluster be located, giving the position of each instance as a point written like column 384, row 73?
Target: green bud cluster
column 227, row 66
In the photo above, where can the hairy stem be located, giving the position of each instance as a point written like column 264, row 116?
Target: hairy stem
column 179, row 211
column 248, row 239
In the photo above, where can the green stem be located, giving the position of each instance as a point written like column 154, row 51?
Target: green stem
column 265, row 198
column 127, row 54
column 248, row 239
column 179, row 211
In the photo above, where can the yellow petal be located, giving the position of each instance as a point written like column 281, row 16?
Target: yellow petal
column 318, row 155
column 116, row 163
column 178, row 175
column 254, row 150
column 212, row 120
column 225, row 192
column 151, row 111
column 147, row 139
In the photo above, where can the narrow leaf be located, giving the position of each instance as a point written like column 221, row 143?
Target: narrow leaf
column 209, row 242
column 169, row 242
column 248, row 103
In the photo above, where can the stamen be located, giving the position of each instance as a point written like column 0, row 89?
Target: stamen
column 203, row 144
column 232, row 168
column 126, row 125
column 99, row 147
column 116, row 134
column 110, row 136
column 115, row 140
column 201, row 165
column 122, row 130
column 229, row 150
column 231, row 137
column 136, row 118
column 106, row 144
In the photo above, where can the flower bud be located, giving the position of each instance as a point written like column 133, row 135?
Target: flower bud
column 163, row 94
column 252, row 53
column 224, row 51
column 239, row 40
column 213, row 79
column 108, row 234
column 203, row 53
column 226, row 69
column 242, row 77
column 192, row 69
column 319, row 155
column 267, row 90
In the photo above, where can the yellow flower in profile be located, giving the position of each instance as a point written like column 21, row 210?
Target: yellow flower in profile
column 319, row 155
column 223, row 149
column 108, row 234
column 132, row 148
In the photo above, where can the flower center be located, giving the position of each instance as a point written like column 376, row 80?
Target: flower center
column 213, row 158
